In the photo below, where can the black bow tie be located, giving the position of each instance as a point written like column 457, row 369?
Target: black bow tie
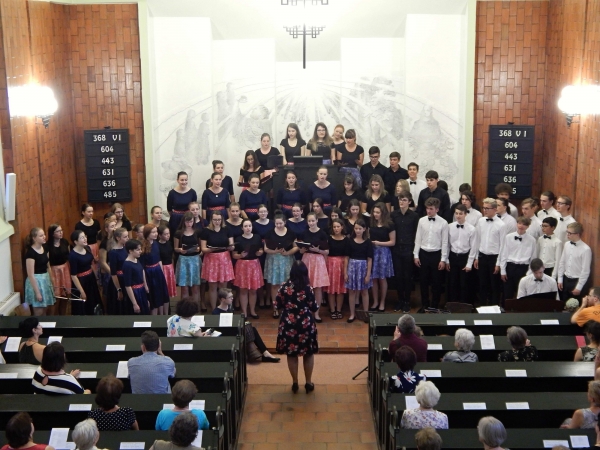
column 499, row 216
column 561, row 219
column 573, row 243
column 518, row 238
column 459, row 226
column 489, row 220
column 413, row 182
column 432, row 218
column 468, row 211
column 545, row 211
column 547, row 237
column 537, row 279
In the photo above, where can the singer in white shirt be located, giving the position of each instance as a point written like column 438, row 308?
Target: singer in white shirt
column 462, row 240
column 509, row 221
column 549, row 247
column 467, row 198
column 517, row 252
column 575, row 263
column 563, row 206
column 547, row 199
column 537, row 282
column 527, row 207
column 415, row 185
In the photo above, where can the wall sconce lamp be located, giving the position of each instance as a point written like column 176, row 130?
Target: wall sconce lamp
column 577, row 100
column 32, row 100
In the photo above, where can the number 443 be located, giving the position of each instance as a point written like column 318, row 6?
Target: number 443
column 511, row 156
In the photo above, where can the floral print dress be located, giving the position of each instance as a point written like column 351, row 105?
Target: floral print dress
column 297, row 334
column 405, row 382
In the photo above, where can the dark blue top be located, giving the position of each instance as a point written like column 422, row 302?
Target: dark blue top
column 216, row 238
column 288, row 198
column 323, row 224
column 212, row 200
column 345, row 199
column 219, row 311
column 151, row 258
column 328, row 195
column 133, row 273
column 80, row 263
column 235, row 230
column 226, row 184
column 116, row 258
column 387, row 198
column 297, row 227
column 91, row 231
column 166, row 253
column 178, row 201
column 261, row 229
column 248, row 200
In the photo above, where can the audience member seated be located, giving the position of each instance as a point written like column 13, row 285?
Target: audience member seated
column 491, row 433
column 586, row 418
column 463, row 341
column 405, row 381
column 428, row 439
column 183, row 393
column 109, row 416
column 181, row 325
column 428, row 396
column 30, row 351
column 405, row 335
column 589, row 309
column 19, row 434
column 225, row 297
column 522, row 350
column 571, row 305
column 150, row 372
column 50, row 378
column 85, row 435
column 183, row 432
column 588, row 353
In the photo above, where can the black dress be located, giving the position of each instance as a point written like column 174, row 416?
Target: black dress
column 297, row 334
column 289, row 151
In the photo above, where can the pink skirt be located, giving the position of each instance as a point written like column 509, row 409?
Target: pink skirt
column 217, row 268
column 335, row 269
column 61, row 279
column 170, row 277
column 317, row 269
column 248, row 274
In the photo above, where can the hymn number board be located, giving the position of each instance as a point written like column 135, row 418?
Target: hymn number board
column 107, row 165
column 511, row 158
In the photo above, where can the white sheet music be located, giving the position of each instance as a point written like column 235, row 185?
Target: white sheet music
column 122, row 370
column 411, row 402
column 431, row 373
column 12, row 344
column 58, row 437
column 516, row 373
column 517, row 405
column 183, row 347
column 198, row 320
column 226, row 319
column 474, row 405
column 197, row 404
column 140, row 325
column 580, row 441
column 550, row 322
column 455, row 322
column 489, row 310
column 80, row 407
column 9, row 375
column 434, row 347
column 215, row 333
column 48, row 324
column 54, row 339
column 168, row 406
column 88, row 374
column 132, row 445
column 482, row 322
column 198, row 441
column 487, row 342
column 115, row 348
column 549, row 443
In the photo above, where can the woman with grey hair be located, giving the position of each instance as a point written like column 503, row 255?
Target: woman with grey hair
column 463, row 341
column 491, row 433
column 428, row 396
column 522, row 350
column 85, row 435
column 183, row 432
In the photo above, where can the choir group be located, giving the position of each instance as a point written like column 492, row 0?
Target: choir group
column 386, row 224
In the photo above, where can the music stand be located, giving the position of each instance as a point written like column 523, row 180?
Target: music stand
column 365, row 316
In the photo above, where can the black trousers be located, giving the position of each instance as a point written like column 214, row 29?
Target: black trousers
column 403, row 272
column 490, row 284
column 514, row 273
column 457, row 278
column 430, row 277
column 258, row 341
column 548, row 271
column 567, row 291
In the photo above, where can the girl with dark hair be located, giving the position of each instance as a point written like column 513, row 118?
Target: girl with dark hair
column 189, row 264
column 116, row 257
column 122, row 219
column 178, row 200
column 262, row 155
column 248, row 273
column 336, row 262
column 250, row 166
column 352, row 191
column 292, row 145
column 31, row 351
column 290, row 194
column 39, row 292
column 227, row 183
column 155, row 277
column 320, row 144
column 297, row 224
column 106, row 244
column 324, row 190
column 336, row 213
column 84, row 279
column 350, row 156
column 297, row 334
column 91, row 228
column 383, row 238
column 166, row 259
column 19, row 434
column 353, row 214
column 357, row 271
column 234, row 222
column 50, row 377
column 134, row 278
column 322, row 219
column 252, row 198
column 215, row 198
column 58, row 254
column 376, row 193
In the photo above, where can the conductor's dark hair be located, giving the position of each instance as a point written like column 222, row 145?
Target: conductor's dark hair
column 299, row 275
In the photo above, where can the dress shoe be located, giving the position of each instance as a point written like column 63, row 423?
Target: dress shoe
column 270, row 359
column 309, row 387
column 254, row 316
column 374, row 308
column 350, row 320
column 295, row 387
column 318, row 320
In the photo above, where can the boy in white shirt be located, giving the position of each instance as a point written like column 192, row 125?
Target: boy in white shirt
column 563, row 206
column 415, row 185
column 472, row 216
column 517, row 252
column 575, row 264
column 431, row 252
column 463, row 246
column 528, row 208
column 549, row 247
column 537, row 282
column 547, row 199
column 504, row 212
column 503, row 190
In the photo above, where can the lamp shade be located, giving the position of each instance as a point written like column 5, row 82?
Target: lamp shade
column 31, row 100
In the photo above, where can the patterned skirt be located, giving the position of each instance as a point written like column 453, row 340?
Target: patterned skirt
column 157, row 284
column 248, row 274
column 357, row 270
column 188, row 270
column 217, row 267
column 354, row 172
column 317, row 269
column 383, row 266
column 277, row 268
column 335, row 269
column 90, row 287
column 170, row 279
column 46, row 289
column 61, row 280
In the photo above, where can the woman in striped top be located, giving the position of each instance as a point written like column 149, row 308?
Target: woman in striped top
column 50, row 378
